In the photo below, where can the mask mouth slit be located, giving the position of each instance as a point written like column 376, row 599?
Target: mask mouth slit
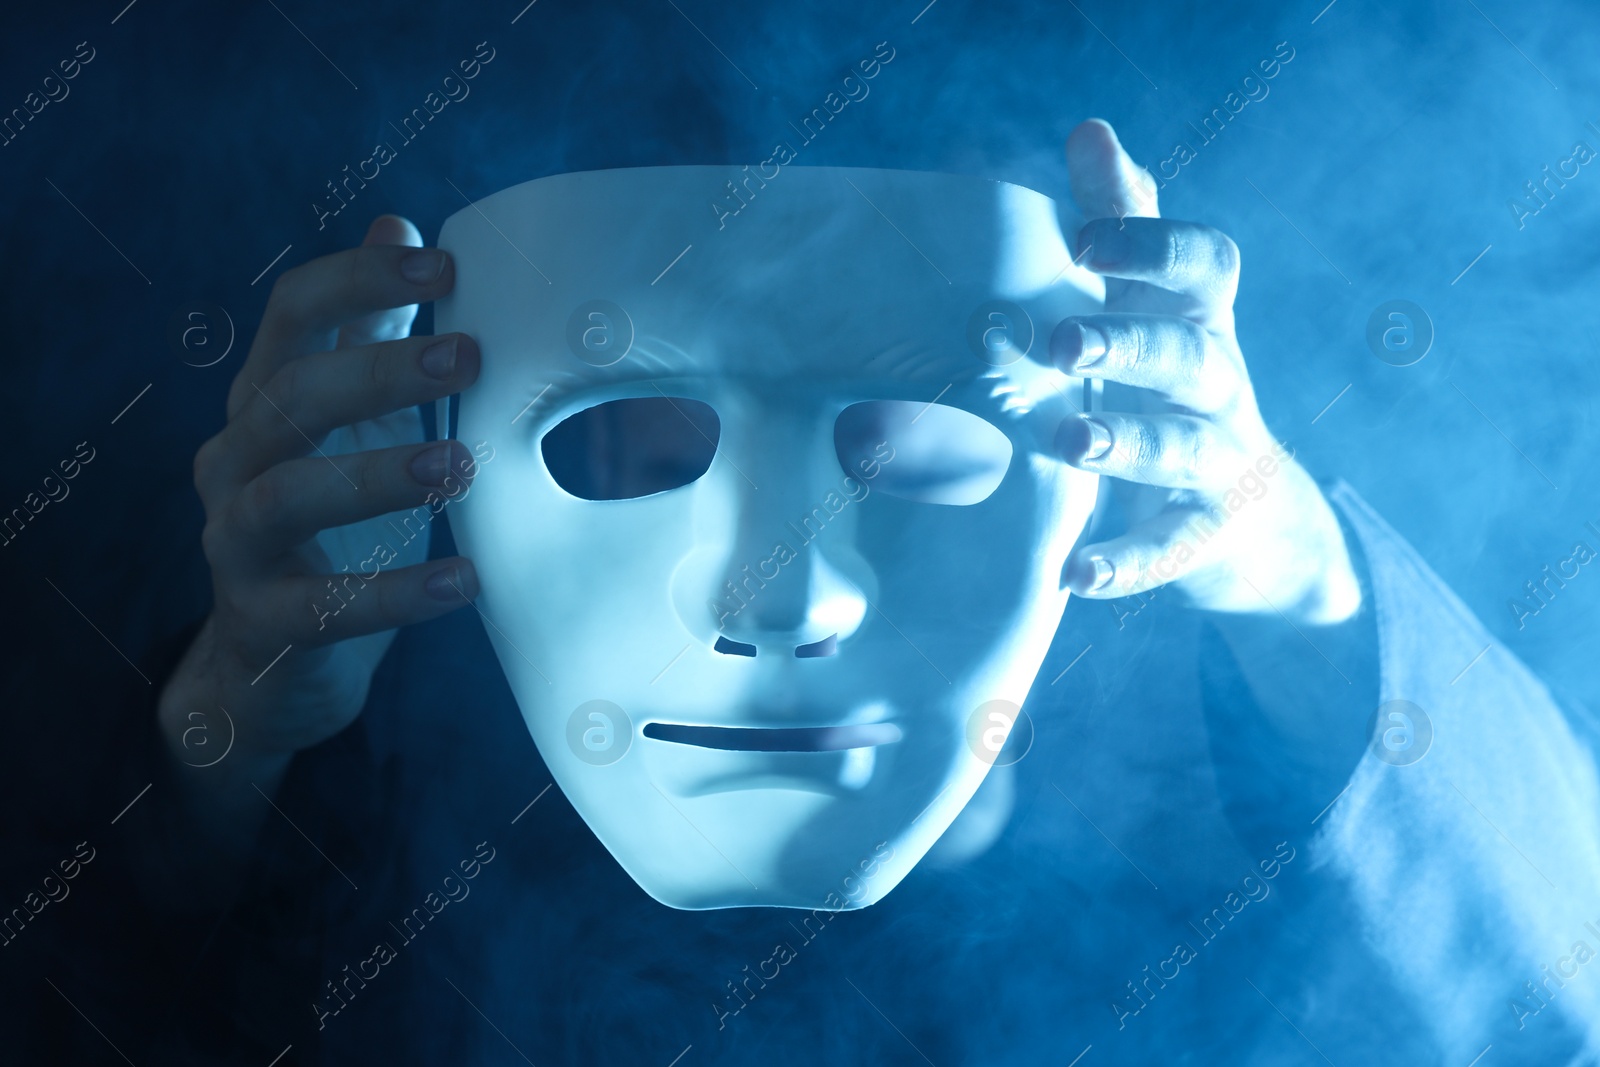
column 828, row 646
column 776, row 739
column 818, row 649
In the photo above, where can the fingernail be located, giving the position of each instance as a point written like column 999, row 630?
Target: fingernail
column 1108, row 247
column 1082, row 437
column 439, row 358
column 1103, row 573
column 1092, row 345
column 422, row 266
column 452, row 583
column 431, row 465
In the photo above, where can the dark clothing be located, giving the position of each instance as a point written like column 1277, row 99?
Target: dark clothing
column 1150, row 898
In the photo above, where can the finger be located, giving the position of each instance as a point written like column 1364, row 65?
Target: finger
column 288, row 504
column 1172, row 356
column 308, row 398
column 392, row 323
column 1162, row 549
column 1174, row 451
column 1104, row 179
column 309, row 303
column 321, row 609
column 1187, row 258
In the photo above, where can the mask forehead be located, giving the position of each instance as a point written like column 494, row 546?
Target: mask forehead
column 835, row 275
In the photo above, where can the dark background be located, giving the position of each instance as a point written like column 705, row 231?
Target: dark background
column 1379, row 166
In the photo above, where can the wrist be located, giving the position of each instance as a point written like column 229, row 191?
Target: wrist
column 218, row 770
column 1333, row 592
column 202, row 736
column 1335, row 597
column 200, row 718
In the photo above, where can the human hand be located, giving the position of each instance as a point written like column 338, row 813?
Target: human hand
column 1217, row 507
column 323, row 442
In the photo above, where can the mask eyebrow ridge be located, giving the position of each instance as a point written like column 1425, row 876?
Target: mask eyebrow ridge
column 911, row 361
column 643, row 363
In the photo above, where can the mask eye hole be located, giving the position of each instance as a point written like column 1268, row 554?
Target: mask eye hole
column 633, row 447
column 930, row 453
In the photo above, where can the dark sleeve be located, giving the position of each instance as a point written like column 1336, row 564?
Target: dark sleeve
column 1270, row 784
column 180, row 974
column 1473, row 857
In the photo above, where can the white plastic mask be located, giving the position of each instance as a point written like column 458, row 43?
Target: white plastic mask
column 768, row 635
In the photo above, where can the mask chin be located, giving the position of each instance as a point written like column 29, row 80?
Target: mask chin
column 758, row 647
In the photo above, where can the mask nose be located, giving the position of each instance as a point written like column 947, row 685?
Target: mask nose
column 795, row 603
column 784, row 578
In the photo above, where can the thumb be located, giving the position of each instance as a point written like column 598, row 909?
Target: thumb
column 389, row 324
column 1105, row 181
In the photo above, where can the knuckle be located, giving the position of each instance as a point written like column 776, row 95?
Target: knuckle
column 392, row 600
column 372, row 605
column 1194, row 345
column 213, row 542
column 1194, row 449
column 371, row 477
column 355, row 269
column 297, row 398
column 379, row 370
column 1140, row 446
column 367, row 270
column 282, row 290
column 1193, row 355
column 207, row 464
column 1227, row 257
column 234, row 603
column 1173, row 255
column 284, row 388
column 1135, row 566
column 361, row 270
column 261, row 503
column 1138, row 345
column 292, row 608
column 285, row 303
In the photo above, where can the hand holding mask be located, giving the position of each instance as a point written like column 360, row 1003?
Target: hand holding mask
column 1218, row 506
